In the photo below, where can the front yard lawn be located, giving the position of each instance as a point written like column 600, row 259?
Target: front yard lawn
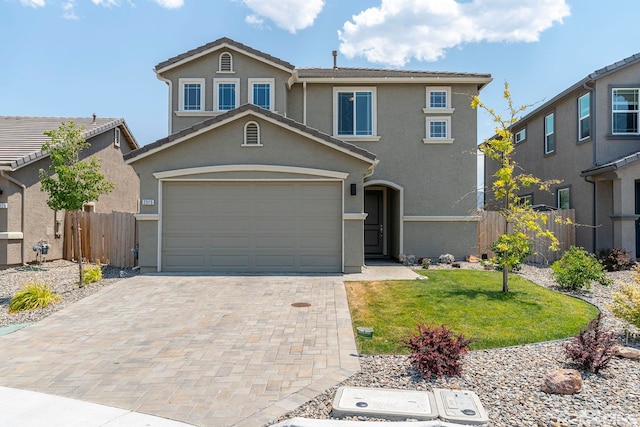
column 467, row 301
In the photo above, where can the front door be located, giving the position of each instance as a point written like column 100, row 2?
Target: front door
column 374, row 224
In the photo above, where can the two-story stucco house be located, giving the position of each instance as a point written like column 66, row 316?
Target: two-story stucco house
column 25, row 217
column 270, row 167
column 588, row 136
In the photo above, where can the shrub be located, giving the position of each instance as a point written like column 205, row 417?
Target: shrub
column 511, row 250
column 91, row 273
column 32, row 296
column 577, row 269
column 436, row 351
column 593, row 347
column 626, row 303
column 615, row 259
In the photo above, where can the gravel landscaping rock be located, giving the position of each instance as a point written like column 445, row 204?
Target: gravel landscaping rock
column 508, row 380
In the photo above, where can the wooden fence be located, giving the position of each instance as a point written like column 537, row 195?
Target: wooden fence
column 491, row 226
column 106, row 238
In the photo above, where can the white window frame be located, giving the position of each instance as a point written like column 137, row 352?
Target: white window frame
column 271, row 82
column 245, row 143
column 220, row 70
column 184, row 81
column 563, row 190
column 116, row 137
column 374, row 113
column 216, row 85
column 613, row 112
column 438, row 140
column 440, row 110
column 525, row 199
column 581, row 118
column 520, row 136
column 548, row 134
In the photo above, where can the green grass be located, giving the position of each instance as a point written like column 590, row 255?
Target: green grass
column 32, row 296
column 470, row 302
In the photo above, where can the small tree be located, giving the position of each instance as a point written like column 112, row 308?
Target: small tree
column 525, row 222
column 70, row 182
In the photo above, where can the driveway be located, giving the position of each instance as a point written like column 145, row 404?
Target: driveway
column 204, row 350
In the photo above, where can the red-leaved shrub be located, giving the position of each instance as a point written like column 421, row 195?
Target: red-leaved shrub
column 436, row 351
column 593, row 347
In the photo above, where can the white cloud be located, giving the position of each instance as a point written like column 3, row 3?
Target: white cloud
column 290, row 15
column 33, row 3
column 255, row 20
column 399, row 30
column 170, row 4
column 68, row 9
column 106, row 3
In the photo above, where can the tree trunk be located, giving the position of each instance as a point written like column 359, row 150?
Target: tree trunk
column 79, row 252
column 505, row 276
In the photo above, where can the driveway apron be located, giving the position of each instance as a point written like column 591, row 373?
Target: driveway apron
column 204, row 350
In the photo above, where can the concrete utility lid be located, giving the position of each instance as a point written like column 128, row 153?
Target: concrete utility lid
column 384, row 403
column 460, row 406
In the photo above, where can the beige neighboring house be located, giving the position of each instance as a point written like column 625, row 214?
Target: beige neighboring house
column 25, row 218
column 588, row 136
column 269, row 167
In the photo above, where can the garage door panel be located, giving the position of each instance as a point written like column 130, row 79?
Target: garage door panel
column 252, row 226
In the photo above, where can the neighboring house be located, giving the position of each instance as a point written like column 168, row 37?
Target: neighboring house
column 25, row 218
column 269, row 167
column 588, row 136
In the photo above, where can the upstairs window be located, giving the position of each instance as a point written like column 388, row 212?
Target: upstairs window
column 226, row 63
column 226, row 93
column 261, row 93
column 549, row 134
column 439, row 98
column 520, row 136
column 438, row 130
column 252, row 134
column 355, row 112
column 563, row 196
column 525, row 200
column 191, row 94
column 584, row 117
column 624, row 111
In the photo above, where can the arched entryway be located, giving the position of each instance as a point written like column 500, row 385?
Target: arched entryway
column 383, row 231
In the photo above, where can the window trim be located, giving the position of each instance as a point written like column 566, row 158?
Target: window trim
column 271, row 82
column 548, row 134
column 515, row 136
column 524, row 197
column 562, row 189
column 216, row 85
column 438, row 110
column 374, row 113
column 637, row 111
column 437, row 140
column 581, row 118
column 220, row 70
column 191, row 80
column 247, row 144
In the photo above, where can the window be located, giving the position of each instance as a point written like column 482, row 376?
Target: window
column 438, row 98
column 252, row 134
column 625, row 111
column 525, row 200
column 261, row 93
column 116, row 137
column 584, row 117
column 438, row 130
column 191, row 94
column 355, row 112
column 563, row 198
column 226, row 63
column 520, row 136
column 549, row 134
column 226, row 93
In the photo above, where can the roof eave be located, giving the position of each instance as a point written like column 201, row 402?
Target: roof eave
column 480, row 81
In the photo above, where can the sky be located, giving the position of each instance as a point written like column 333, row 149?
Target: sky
column 72, row 58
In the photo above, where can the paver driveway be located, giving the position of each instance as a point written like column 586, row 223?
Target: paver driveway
column 205, row 350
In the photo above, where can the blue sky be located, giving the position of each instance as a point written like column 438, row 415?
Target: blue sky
column 76, row 57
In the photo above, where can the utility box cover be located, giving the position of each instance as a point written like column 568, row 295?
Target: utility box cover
column 384, row 403
column 460, row 406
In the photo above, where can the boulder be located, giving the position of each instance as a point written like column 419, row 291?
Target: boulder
column 446, row 259
column 407, row 259
column 562, row 381
column 628, row 353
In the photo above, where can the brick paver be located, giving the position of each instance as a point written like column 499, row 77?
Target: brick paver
column 205, row 350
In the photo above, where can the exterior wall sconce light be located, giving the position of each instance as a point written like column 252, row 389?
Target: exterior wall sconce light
column 353, row 189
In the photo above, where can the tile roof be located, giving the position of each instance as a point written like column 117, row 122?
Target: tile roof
column 253, row 108
column 379, row 73
column 21, row 138
column 216, row 43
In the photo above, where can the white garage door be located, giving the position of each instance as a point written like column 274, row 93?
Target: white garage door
column 252, row 226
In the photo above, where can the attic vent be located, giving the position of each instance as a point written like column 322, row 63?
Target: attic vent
column 251, row 134
column 226, row 63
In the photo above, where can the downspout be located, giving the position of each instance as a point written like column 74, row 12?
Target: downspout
column 23, row 187
column 594, row 154
column 170, row 101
